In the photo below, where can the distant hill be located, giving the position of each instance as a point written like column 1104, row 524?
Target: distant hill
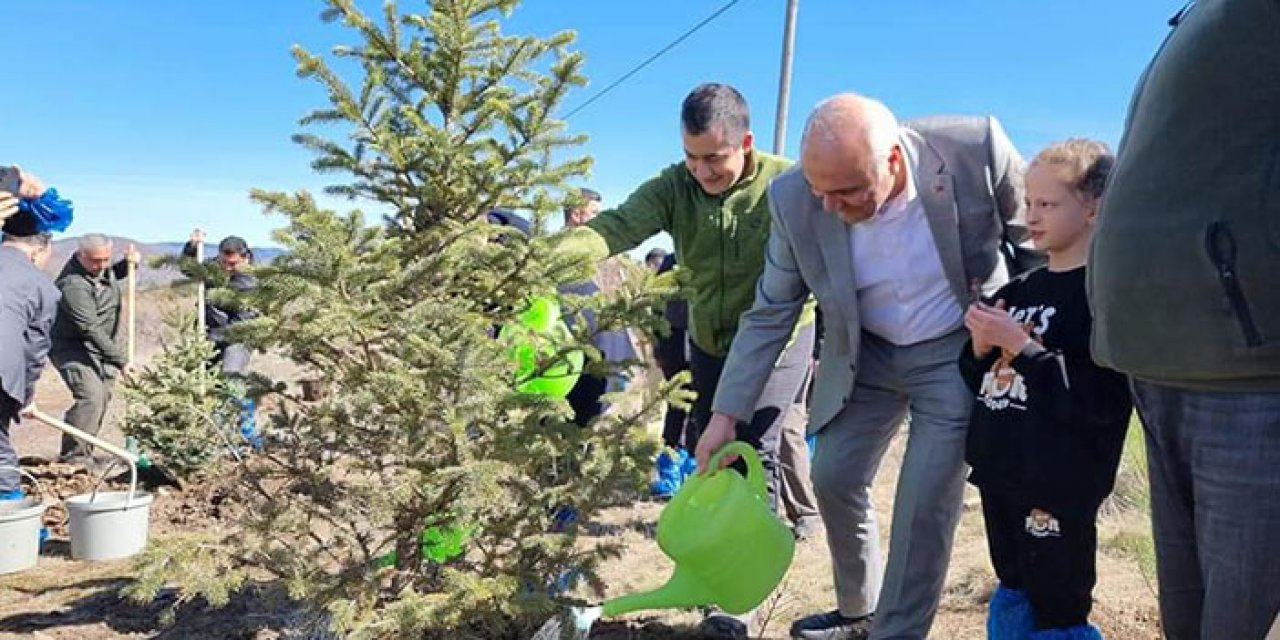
column 147, row 275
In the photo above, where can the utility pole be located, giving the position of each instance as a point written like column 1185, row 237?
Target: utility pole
column 784, row 80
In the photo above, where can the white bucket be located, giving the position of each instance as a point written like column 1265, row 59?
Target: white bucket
column 20, row 523
column 109, row 524
column 20, row 534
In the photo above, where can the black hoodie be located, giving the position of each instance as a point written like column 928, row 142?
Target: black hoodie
column 1048, row 426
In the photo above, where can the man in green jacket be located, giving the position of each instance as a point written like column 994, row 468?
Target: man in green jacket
column 84, row 348
column 1184, row 280
column 714, row 206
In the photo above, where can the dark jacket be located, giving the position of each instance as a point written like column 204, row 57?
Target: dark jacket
column 677, row 310
column 88, row 322
column 1184, row 273
column 28, row 305
column 1047, row 426
column 670, row 349
column 218, row 318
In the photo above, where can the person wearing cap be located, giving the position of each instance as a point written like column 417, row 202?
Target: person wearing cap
column 85, row 337
column 234, row 258
column 28, row 305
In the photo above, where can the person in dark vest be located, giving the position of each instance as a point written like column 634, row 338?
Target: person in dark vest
column 234, row 257
column 1184, row 281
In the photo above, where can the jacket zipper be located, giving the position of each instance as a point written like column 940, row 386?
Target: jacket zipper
column 1221, row 246
column 720, row 234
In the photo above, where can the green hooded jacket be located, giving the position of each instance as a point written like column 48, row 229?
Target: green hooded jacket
column 720, row 241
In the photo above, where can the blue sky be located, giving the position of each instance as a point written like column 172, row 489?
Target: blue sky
column 157, row 116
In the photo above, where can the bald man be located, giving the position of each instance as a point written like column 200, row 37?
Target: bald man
column 893, row 228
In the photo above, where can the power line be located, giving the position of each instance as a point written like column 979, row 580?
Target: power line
column 650, row 59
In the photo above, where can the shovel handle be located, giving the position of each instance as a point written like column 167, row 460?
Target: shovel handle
column 132, row 318
column 200, row 301
column 130, row 458
column 755, row 470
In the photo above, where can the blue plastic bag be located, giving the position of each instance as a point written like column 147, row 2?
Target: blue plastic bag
column 52, row 212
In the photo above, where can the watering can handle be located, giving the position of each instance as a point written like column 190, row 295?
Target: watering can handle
column 755, row 470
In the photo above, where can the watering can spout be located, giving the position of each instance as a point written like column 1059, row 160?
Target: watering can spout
column 681, row 591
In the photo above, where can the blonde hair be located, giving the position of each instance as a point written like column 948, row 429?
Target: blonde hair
column 1085, row 164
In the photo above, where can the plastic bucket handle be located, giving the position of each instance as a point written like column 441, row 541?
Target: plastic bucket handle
column 133, row 483
column 39, row 488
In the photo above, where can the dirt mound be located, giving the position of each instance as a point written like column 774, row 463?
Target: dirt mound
column 197, row 507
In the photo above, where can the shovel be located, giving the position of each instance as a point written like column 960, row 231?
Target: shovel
column 152, row 474
column 131, row 317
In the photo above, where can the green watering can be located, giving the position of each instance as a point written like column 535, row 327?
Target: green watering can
column 729, row 548
column 534, row 340
column 439, row 544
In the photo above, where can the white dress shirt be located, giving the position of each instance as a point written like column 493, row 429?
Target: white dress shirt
column 903, row 292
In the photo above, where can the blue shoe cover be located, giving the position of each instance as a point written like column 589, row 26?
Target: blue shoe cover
column 1009, row 616
column 1078, row 632
column 669, row 476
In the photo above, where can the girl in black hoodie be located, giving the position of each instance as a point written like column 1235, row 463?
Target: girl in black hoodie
column 1048, row 423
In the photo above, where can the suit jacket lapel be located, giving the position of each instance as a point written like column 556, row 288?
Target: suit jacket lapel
column 833, row 238
column 937, row 191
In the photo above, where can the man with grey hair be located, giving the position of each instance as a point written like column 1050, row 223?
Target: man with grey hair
column 894, row 228
column 85, row 349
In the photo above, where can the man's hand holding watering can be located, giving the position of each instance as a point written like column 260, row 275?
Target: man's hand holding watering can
column 721, row 430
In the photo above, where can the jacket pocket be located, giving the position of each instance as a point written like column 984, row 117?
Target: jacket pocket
column 1220, row 244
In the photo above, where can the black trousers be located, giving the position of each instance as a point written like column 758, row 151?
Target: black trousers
column 764, row 430
column 1051, row 559
column 584, row 397
column 669, row 352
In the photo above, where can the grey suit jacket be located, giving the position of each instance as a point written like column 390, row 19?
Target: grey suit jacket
column 28, row 303
column 970, row 177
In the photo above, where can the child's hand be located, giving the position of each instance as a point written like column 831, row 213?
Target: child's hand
column 973, row 319
column 994, row 327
